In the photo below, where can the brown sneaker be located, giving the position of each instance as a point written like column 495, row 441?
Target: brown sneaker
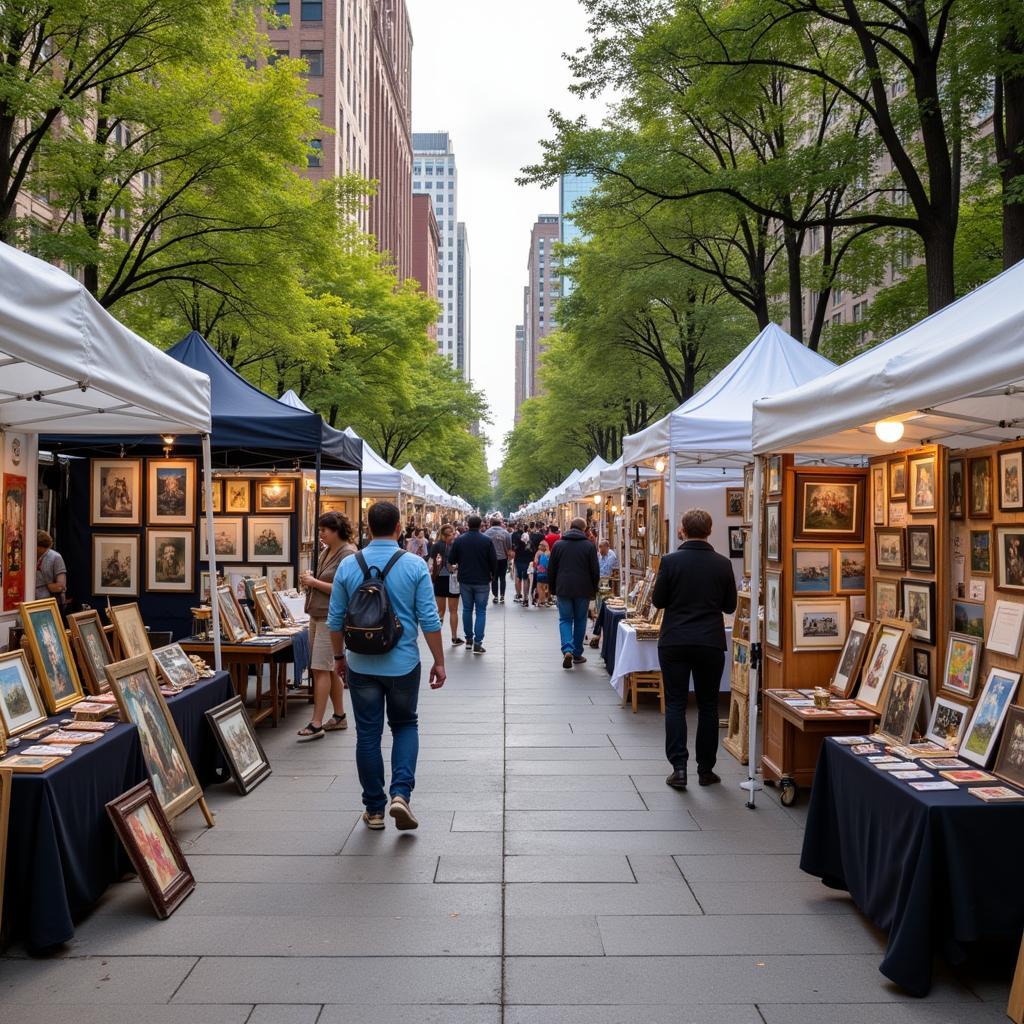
column 404, row 818
column 373, row 821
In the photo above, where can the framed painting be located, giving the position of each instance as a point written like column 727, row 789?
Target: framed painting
column 115, row 492
column 13, row 549
column 1010, row 558
column 773, row 608
column 145, row 832
column 983, row 731
column 969, row 618
column 228, row 534
column 218, row 497
column 115, row 565
column 141, row 703
column 238, row 741
column 898, row 515
column 1009, row 764
column 879, row 495
column 175, row 666
column 853, row 571
column 748, row 495
column 948, row 722
column 232, row 624
column 275, row 495
column 239, row 578
column 829, row 509
column 890, row 548
column 733, row 502
column 236, row 496
column 773, row 531
column 51, row 655
column 819, row 624
column 21, row 707
column 921, row 548
column 851, row 659
column 340, row 505
column 921, row 662
column 93, row 649
column 919, row 608
column 898, row 479
column 979, row 491
column 204, row 586
column 269, row 539
column 130, row 631
column 775, row 475
column 282, row 577
column 170, row 492
column 901, row 707
column 955, row 475
column 170, row 560
column 309, row 519
column 265, row 603
column 885, row 599
column 923, row 484
column 1006, row 628
column 30, row 764
column 981, row 552
column 886, row 657
column 1011, row 494
column 812, row 570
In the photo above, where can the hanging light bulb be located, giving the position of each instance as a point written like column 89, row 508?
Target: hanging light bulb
column 659, row 465
column 889, row 431
column 597, row 499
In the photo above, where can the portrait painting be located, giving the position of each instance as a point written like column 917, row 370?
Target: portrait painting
column 879, row 495
column 51, row 655
column 886, row 654
column 240, row 577
column 983, row 732
column 130, row 630
column 1011, row 495
column 898, row 479
column 919, row 608
column 170, row 560
column 901, row 707
column 115, row 565
column 921, row 548
column 238, row 741
column 231, row 623
column 829, row 509
column 170, row 492
column 947, row 724
column 1010, row 558
column 269, row 539
column 773, row 608
column 981, row 551
column 851, row 659
column 217, row 490
column 969, row 618
column 737, row 538
column 236, row 496
column 94, row 653
column 956, row 488
column 979, row 497
column 265, row 603
column 812, row 570
column 175, row 666
column 890, row 550
column 886, row 603
column 853, row 570
column 282, row 577
column 227, row 539
column 775, row 475
column 923, row 484
column 115, row 492
column 21, row 707
column 772, row 531
column 275, row 495
column 1009, row 764
column 734, row 502
column 819, row 624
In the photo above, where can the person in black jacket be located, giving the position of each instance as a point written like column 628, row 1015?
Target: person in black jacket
column 474, row 556
column 696, row 587
column 573, row 576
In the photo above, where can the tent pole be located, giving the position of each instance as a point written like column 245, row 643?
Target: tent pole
column 626, row 517
column 670, row 504
column 212, row 552
column 360, row 500
column 315, row 554
column 754, row 688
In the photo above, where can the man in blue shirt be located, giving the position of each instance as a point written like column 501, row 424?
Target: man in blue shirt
column 388, row 681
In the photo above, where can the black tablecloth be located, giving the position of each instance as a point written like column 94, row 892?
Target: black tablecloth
column 610, row 619
column 189, row 709
column 935, row 871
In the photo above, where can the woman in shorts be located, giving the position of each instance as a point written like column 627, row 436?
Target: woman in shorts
column 540, row 568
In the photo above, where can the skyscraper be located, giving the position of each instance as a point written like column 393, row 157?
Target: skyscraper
column 426, row 244
column 521, row 367
column 571, row 189
column 542, row 295
column 463, row 311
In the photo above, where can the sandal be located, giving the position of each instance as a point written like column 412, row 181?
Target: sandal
column 336, row 722
column 310, row 732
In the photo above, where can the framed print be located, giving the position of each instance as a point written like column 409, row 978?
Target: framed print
column 901, row 707
column 204, row 586
column 231, row 622
column 921, row 548
column 140, row 702
column 228, row 532
column 1009, row 764
column 748, row 495
column 853, row 571
column 269, row 539
column 969, row 618
column 170, row 560
column 30, row 764
column 242, row 749
column 282, row 577
column 1011, row 495
column 736, row 543
column 898, row 516
column 747, row 551
column 153, row 848
column 981, row 551
column 773, row 608
column 236, row 496
column 979, row 492
column 218, row 497
column 947, row 724
column 733, row 502
column 1010, row 558
column 236, row 576
column 275, row 495
column 885, row 657
column 773, row 531
column 983, row 731
column 51, row 655
column 890, row 549
column 93, row 649
column 340, row 505
column 130, row 630
column 309, row 520
column 976, row 590
column 812, row 570
column 923, row 484
column 955, row 473
column 13, row 548
column 819, row 624
column 21, row 707
column 1006, row 629
column 898, row 479
column 879, row 495
column 829, row 509
column 775, row 475
column 115, row 565
column 852, row 658
column 886, row 599
column 170, row 492
column 921, row 662
column 265, row 603
column 115, row 492
column 919, row 608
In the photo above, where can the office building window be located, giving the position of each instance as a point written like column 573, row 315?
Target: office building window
column 312, row 10
column 316, row 153
column 837, row 318
column 837, row 297
column 315, row 60
column 276, row 56
column 282, row 8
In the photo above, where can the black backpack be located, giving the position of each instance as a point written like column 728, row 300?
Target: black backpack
column 371, row 625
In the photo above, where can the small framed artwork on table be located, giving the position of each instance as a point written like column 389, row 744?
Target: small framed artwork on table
column 94, row 654
column 812, row 570
column 886, row 599
column 890, row 549
column 981, row 552
column 921, row 548
column 1007, row 628
column 1009, row 764
column 995, row 700
column 921, row 662
column 773, row 531
column 130, row 631
column 956, row 488
column 979, row 494
column 852, row 658
column 1010, row 558
column 21, row 707
column 948, row 722
column 969, row 618
column 923, row 484
column 775, row 475
column 773, row 608
column 819, row 624
column 879, row 495
column 901, row 707
column 919, row 608
column 175, row 666
column 282, row 577
column 853, row 571
column 1011, row 494
column 734, row 502
column 885, row 657
column 51, row 654
column 897, row 480
column 115, row 565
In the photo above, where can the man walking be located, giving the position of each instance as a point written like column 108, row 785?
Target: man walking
column 573, row 577
column 474, row 556
column 390, row 682
column 502, row 541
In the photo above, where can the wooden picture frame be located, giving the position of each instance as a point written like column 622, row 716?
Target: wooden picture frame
column 154, row 850
column 269, row 539
column 734, row 502
column 885, row 598
column 229, row 539
column 175, row 666
column 115, row 565
column 1009, row 562
column 1009, row 763
column 886, row 656
column 879, row 495
column 773, row 531
column 232, row 622
column 265, row 603
column 852, row 571
column 989, row 712
column 956, row 487
column 170, row 492
column 130, row 630
column 829, row 509
column 47, row 642
column 969, row 618
column 819, row 624
column 21, row 707
column 239, row 743
column 30, row 764
column 170, row 560
column 774, row 476
column 979, row 489
column 922, row 483
column 947, row 723
column 918, row 600
column 89, row 639
column 275, row 496
column 236, row 497
column 217, row 488
column 902, row 703
column 812, row 571
column 897, row 471
column 1011, row 480
column 980, row 543
column 890, row 549
column 773, row 609
column 920, row 548
column 851, row 658
column 115, row 492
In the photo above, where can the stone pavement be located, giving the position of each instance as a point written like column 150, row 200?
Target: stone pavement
column 554, row 879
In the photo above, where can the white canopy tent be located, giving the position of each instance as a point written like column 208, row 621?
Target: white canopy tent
column 589, row 481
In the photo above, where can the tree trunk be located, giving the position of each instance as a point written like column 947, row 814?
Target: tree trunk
column 938, row 254
column 793, row 272
column 1010, row 88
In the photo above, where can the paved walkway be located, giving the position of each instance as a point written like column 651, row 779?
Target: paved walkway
column 555, row 879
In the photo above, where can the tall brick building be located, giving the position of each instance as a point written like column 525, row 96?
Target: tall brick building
column 426, row 247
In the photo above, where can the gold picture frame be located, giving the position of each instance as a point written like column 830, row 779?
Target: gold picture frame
column 130, row 630
column 89, row 639
column 170, row 492
column 21, row 707
column 48, row 644
column 236, row 497
column 115, row 492
column 275, row 495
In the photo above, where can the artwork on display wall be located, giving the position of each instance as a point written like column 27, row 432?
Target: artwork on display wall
column 812, row 570
column 1009, row 765
column 12, row 530
column 238, row 741
column 309, row 517
column 115, row 565
column 983, row 731
column 94, row 652
column 737, row 535
column 282, row 577
column 901, row 707
column 829, row 509
column 734, row 502
column 819, row 624
column 175, row 666
column 969, row 618
column 890, row 549
column 773, row 531
column 979, row 491
column 921, row 548
column 948, row 722
column 1006, row 629
column 275, row 495
column 1010, row 558
column 339, row 505
column 919, row 608
column 773, row 608
column 1011, row 492
column 898, row 479
column 898, row 516
column 879, row 495
column 115, row 492
column 981, row 551
column 775, row 475
column 236, row 496
column 923, row 484
column 228, row 533
column 170, row 560
column 269, row 539
column 170, row 492
column 130, row 630
column 886, row 599
column 747, row 551
column 204, row 586
column 852, row 658
column 853, row 571
column 957, row 489
column 885, row 657
column 976, row 590
column 153, row 848
column 21, row 707
column 218, row 497
column 51, row 655
column 748, row 495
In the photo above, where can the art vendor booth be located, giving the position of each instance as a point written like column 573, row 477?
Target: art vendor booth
column 893, row 598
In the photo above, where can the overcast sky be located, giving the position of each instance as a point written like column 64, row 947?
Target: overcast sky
column 488, row 74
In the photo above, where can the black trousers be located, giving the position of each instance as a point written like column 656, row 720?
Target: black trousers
column 500, row 578
column 705, row 665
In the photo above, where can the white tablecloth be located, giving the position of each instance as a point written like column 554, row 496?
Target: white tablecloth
column 633, row 655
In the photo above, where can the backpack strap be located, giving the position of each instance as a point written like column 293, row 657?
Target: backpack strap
column 391, row 561
column 362, row 565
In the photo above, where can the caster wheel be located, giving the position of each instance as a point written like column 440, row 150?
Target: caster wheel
column 788, row 793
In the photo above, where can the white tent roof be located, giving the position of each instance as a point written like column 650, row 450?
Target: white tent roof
column 590, row 477
column 611, row 478
column 419, row 484
column 561, row 491
column 715, row 424
column 955, row 378
column 67, row 366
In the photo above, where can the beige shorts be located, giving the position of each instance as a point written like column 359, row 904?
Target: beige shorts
column 321, row 653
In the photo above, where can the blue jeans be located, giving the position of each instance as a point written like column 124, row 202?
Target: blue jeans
column 370, row 696
column 572, row 624
column 474, row 597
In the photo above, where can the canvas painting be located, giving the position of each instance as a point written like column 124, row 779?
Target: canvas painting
column 175, row 666
column 898, row 479
column 981, row 551
column 227, row 539
column 969, row 618
column 879, row 495
column 1009, row 764
column 947, row 724
column 242, row 749
column 734, row 502
column 773, row 609
column 886, row 603
column 130, row 630
column 171, row 492
column 773, row 530
column 236, row 496
column 890, row 552
column 921, row 548
column 851, row 658
column 829, row 509
column 217, row 489
column 818, row 624
column 21, row 707
column 884, row 657
column 979, row 503
column 275, row 495
column 55, row 668
column 1010, row 558
column 115, row 565
column 170, row 561
column 921, row 495
column 1011, row 495
column 956, row 488
column 919, row 608
column 812, row 570
column 989, row 712
column 901, row 707
column 853, row 570
column 93, row 649
column 963, row 659
column 115, row 492
column 269, row 539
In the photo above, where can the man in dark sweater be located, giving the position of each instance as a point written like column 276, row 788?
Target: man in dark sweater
column 573, row 576
column 477, row 563
column 696, row 587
